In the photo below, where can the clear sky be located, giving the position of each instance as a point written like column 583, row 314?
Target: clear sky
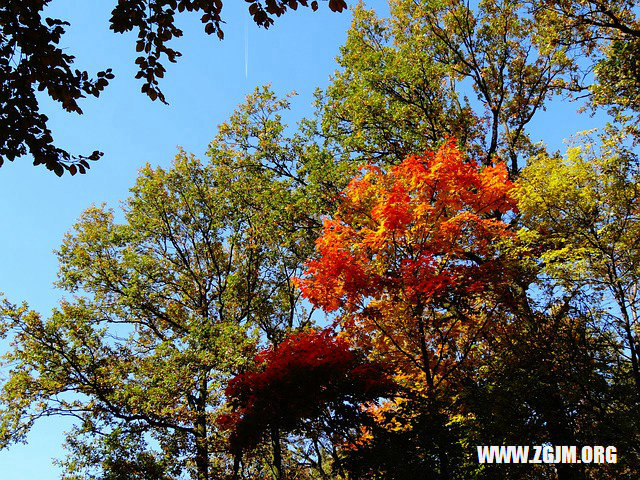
column 37, row 208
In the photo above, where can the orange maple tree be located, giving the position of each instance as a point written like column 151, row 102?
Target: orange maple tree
column 412, row 259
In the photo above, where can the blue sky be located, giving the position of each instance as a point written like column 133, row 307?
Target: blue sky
column 37, row 208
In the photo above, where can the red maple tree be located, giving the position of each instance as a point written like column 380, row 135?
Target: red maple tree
column 307, row 374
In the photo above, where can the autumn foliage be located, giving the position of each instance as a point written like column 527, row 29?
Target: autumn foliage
column 308, row 373
column 408, row 256
column 422, row 230
column 467, row 301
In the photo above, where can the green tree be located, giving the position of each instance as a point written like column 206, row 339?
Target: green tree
column 580, row 214
column 170, row 300
column 405, row 81
column 602, row 36
column 583, row 208
column 162, row 316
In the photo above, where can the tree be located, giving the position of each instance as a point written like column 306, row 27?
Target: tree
column 426, row 275
column 583, row 208
column 166, row 309
column 30, row 60
column 405, row 81
column 412, row 261
column 400, row 90
column 225, row 237
column 311, row 377
column 602, row 36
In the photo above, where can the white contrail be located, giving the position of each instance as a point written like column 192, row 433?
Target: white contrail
column 246, row 49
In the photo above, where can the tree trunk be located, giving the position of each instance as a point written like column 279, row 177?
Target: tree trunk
column 618, row 292
column 202, row 451
column 201, row 441
column 277, row 453
column 434, row 409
